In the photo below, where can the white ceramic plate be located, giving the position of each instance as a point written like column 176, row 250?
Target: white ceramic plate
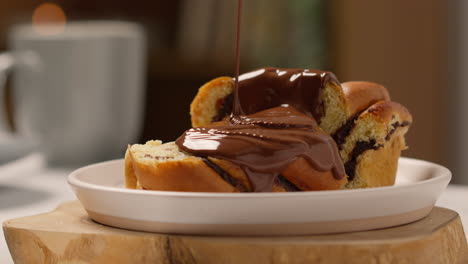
column 99, row 187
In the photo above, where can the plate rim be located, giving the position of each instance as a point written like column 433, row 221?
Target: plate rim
column 72, row 179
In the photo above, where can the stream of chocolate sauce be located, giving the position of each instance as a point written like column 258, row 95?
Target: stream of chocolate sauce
column 273, row 123
column 236, row 80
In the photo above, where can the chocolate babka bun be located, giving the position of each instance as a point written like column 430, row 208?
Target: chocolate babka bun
column 373, row 137
column 284, row 130
column 367, row 132
column 372, row 147
column 271, row 140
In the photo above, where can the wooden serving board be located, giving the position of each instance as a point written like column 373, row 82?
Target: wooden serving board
column 68, row 235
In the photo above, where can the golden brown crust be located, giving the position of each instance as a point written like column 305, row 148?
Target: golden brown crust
column 188, row 175
column 130, row 177
column 306, row 178
column 388, row 111
column 204, row 105
column 360, row 95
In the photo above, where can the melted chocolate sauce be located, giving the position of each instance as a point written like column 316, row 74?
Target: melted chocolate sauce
column 264, row 144
column 236, row 80
column 270, row 87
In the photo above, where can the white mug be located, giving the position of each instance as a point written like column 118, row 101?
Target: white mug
column 78, row 93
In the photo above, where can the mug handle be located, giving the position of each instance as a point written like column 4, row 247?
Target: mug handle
column 9, row 61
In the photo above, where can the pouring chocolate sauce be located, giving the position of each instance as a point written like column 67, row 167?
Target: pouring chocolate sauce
column 273, row 123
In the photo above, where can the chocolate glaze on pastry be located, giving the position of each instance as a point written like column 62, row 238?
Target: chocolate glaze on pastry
column 273, row 123
column 264, row 144
column 271, row 87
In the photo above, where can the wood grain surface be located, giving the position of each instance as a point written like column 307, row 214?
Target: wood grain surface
column 68, row 235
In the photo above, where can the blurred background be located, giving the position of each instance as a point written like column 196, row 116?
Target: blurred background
column 414, row 48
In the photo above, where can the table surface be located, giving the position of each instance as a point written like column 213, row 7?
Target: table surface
column 28, row 187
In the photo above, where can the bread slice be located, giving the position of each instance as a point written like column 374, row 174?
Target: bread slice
column 156, row 166
column 371, row 150
column 213, row 102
